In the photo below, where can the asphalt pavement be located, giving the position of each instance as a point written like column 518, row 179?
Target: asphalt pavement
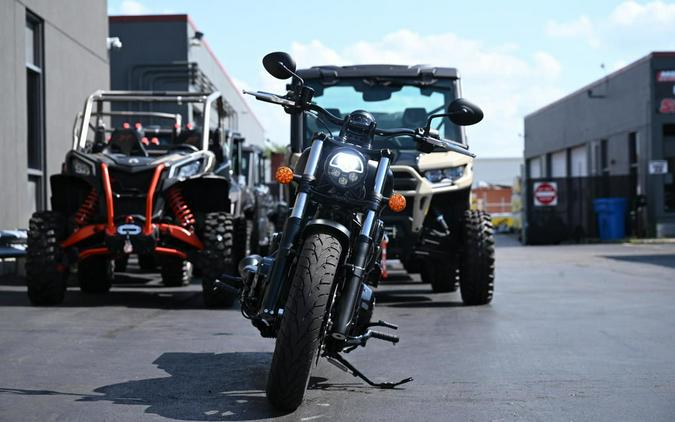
column 575, row 333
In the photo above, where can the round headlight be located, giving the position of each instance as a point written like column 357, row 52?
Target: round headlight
column 346, row 167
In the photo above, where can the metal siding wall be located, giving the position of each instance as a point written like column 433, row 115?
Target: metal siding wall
column 75, row 64
column 579, row 119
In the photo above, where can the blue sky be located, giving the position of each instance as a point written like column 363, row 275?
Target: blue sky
column 514, row 57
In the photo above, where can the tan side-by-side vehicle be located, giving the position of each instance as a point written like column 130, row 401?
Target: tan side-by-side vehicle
column 437, row 235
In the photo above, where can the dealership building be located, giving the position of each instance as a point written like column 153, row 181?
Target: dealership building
column 614, row 138
column 169, row 53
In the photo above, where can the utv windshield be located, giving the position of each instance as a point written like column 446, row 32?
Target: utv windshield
column 396, row 103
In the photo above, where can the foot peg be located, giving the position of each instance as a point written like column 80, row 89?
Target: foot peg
column 228, row 283
column 384, row 336
column 344, row 365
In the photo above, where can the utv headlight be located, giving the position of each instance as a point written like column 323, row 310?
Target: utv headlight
column 346, row 167
column 444, row 175
column 189, row 169
column 81, row 167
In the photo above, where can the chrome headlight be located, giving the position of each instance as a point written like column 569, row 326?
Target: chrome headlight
column 444, row 175
column 81, row 167
column 346, row 167
column 189, row 169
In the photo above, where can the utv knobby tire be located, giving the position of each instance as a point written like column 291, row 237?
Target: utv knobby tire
column 441, row 276
column 241, row 240
column 147, row 263
column 477, row 265
column 175, row 271
column 121, row 264
column 217, row 234
column 95, row 274
column 300, row 329
column 46, row 272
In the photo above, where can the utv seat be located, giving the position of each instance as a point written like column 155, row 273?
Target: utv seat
column 414, row 117
column 191, row 137
column 128, row 142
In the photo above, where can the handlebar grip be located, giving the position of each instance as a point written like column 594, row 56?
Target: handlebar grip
column 384, row 336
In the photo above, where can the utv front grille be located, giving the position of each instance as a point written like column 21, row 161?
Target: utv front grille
column 130, row 190
column 404, row 181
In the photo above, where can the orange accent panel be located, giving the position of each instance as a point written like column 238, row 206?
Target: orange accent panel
column 94, row 251
column 83, row 233
column 182, row 234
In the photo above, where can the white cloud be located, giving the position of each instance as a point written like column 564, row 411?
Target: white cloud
column 631, row 13
column 131, row 7
column 579, row 28
column 506, row 84
column 630, row 21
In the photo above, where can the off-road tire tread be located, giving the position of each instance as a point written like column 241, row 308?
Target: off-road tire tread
column 46, row 276
column 477, row 268
column 300, row 329
column 442, row 276
column 216, row 258
column 95, row 274
column 175, row 271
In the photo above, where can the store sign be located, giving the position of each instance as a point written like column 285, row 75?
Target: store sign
column 545, row 194
column 658, row 167
column 665, row 76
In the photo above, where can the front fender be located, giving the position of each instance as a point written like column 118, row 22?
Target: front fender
column 341, row 232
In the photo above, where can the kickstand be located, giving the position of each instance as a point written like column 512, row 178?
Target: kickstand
column 344, row 365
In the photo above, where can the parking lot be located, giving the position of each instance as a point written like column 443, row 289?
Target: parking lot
column 575, row 333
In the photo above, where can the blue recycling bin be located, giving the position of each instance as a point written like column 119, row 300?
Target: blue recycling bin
column 611, row 214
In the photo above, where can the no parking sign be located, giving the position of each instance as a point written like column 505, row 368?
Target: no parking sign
column 545, row 194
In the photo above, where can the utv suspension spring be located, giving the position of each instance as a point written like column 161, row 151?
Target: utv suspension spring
column 180, row 208
column 87, row 209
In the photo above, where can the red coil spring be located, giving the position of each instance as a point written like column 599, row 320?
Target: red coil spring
column 87, row 209
column 180, row 208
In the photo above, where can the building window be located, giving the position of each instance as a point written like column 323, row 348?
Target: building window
column 579, row 161
column 559, row 164
column 35, row 110
column 633, row 148
column 534, row 165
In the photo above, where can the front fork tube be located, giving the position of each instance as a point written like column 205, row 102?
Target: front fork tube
column 278, row 275
column 352, row 289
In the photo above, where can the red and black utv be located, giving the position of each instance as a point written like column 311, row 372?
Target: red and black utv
column 140, row 182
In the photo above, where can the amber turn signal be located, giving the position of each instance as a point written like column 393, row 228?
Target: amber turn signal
column 284, row 175
column 397, row 202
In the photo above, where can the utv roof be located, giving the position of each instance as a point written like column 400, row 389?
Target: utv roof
column 378, row 70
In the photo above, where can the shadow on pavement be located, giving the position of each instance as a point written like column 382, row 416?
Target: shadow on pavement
column 428, row 304
column 200, row 387
column 664, row 260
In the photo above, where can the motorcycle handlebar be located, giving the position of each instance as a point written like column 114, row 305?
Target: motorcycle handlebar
column 418, row 134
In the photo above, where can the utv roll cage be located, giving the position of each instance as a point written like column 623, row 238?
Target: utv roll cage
column 94, row 108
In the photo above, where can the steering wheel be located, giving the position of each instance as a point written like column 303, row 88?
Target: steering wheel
column 189, row 147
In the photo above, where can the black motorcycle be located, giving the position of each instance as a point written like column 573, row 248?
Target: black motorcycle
column 312, row 293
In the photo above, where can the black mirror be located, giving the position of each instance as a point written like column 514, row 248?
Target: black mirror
column 464, row 113
column 279, row 64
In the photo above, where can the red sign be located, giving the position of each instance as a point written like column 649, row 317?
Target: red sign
column 667, row 106
column 545, row 194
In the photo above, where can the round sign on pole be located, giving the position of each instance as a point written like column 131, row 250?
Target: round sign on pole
column 545, row 194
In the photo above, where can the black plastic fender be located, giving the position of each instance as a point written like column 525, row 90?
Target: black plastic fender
column 341, row 232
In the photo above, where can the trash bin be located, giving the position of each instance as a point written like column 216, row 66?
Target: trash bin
column 611, row 214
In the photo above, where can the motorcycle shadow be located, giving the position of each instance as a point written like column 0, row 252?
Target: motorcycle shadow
column 200, row 387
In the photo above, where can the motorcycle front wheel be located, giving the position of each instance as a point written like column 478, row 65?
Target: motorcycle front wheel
column 300, row 329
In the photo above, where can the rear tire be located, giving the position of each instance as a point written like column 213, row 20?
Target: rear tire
column 175, row 271
column 121, row 264
column 216, row 258
column 46, row 272
column 477, row 267
column 300, row 329
column 441, row 276
column 95, row 274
